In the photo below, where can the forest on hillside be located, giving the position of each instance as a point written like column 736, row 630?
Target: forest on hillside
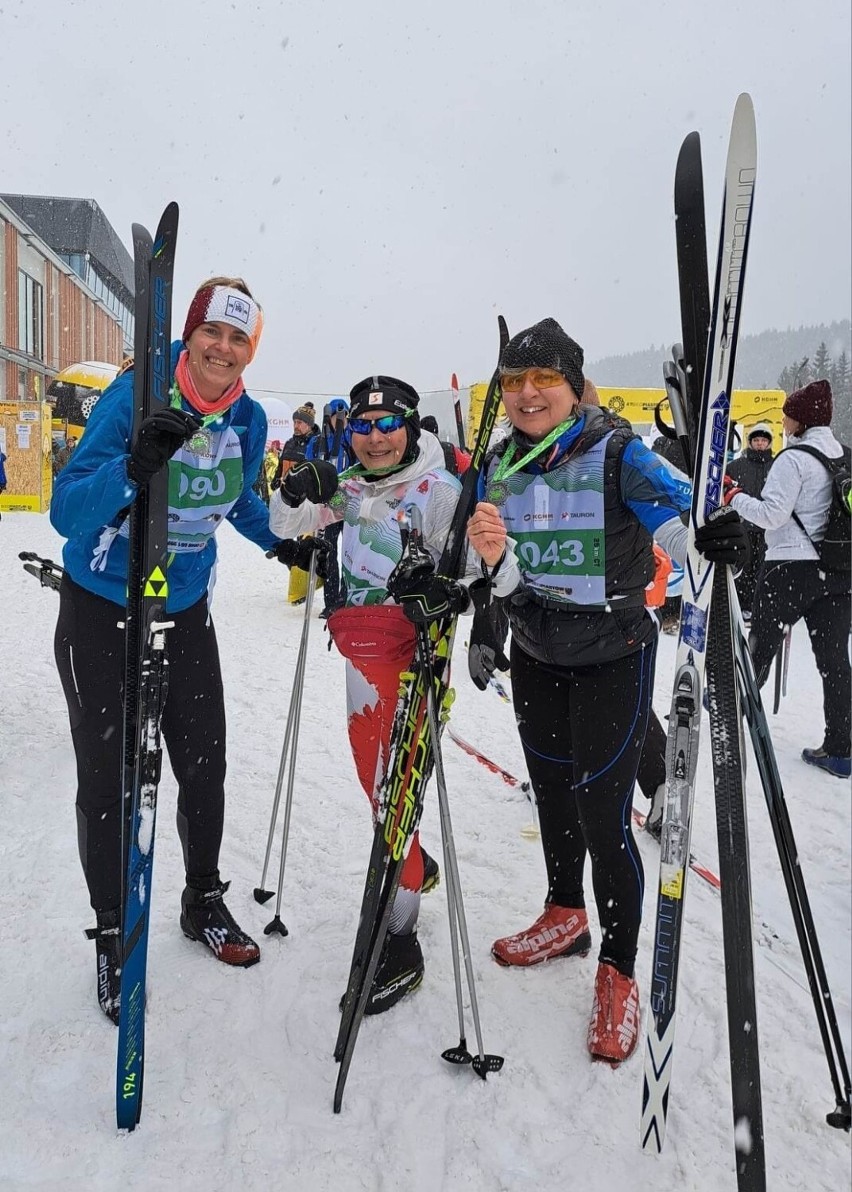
column 769, row 360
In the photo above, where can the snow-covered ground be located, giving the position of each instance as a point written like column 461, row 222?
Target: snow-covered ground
column 239, row 1073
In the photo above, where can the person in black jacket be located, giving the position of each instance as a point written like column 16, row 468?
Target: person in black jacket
column 750, row 472
column 293, row 451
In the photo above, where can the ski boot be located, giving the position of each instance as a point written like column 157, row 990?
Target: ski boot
column 654, row 818
column 107, row 937
column 839, row 767
column 614, row 1025
column 205, row 918
column 558, row 931
column 399, row 972
column 431, row 872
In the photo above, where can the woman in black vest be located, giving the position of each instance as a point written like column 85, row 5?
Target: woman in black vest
column 582, row 499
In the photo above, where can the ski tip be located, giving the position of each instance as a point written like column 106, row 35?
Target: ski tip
column 504, row 332
column 454, row 382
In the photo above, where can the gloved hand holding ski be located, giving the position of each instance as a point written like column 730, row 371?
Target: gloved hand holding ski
column 426, row 597
column 160, row 435
column 723, row 538
column 487, row 636
column 314, row 480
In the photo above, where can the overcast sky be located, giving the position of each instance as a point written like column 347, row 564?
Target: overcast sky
column 388, row 176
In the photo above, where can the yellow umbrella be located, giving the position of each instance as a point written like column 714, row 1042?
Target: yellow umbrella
column 91, row 374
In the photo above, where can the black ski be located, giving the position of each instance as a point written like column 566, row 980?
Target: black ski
column 146, row 664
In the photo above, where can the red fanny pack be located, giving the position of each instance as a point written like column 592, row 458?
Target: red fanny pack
column 374, row 631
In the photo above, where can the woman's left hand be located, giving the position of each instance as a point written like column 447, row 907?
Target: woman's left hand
column 486, row 533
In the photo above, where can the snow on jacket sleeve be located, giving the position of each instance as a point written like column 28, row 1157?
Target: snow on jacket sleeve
column 249, row 514
column 93, row 488
column 774, row 507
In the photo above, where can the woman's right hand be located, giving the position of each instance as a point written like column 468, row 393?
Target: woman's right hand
column 314, row 480
column 486, row 533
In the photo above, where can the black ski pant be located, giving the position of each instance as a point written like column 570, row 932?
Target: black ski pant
column 582, row 730
column 746, row 581
column 788, row 590
column 89, row 648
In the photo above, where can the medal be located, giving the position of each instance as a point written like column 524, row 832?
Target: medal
column 200, row 442
column 497, row 492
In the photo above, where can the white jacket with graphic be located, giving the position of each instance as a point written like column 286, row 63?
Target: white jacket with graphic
column 371, row 541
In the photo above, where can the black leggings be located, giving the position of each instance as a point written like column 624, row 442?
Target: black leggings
column 786, row 592
column 582, row 730
column 89, row 648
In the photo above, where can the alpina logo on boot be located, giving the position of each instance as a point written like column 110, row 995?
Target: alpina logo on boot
column 532, row 943
column 628, row 1027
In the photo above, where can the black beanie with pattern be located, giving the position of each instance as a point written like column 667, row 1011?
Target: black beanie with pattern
column 546, row 345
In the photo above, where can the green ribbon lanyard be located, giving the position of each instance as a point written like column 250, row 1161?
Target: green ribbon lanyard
column 498, row 490
column 200, row 441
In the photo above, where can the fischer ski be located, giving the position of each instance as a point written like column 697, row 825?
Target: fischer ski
column 694, row 644
column 409, row 767
column 146, row 663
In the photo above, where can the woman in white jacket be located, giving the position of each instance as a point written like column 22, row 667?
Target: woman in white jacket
column 398, row 466
column 793, row 510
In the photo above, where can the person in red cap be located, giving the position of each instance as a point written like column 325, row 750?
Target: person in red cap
column 793, row 584
column 211, row 437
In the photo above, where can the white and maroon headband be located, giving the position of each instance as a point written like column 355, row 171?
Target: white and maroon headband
column 223, row 304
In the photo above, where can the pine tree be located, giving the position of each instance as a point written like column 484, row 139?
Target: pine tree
column 821, row 366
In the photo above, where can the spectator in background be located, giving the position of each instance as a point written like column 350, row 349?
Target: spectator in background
column 304, row 430
column 63, row 455
column 456, row 461
column 333, row 444
column 750, row 472
column 2, row 472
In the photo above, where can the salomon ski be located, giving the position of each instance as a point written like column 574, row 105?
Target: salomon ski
column 146, row 665
column 682, row 750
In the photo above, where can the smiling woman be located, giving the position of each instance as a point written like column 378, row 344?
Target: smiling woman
column 211, row 438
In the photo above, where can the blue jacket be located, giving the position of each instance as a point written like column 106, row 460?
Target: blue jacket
column 92, row 494
column 2, row 468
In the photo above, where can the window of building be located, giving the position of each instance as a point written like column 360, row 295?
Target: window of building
column 30, row 315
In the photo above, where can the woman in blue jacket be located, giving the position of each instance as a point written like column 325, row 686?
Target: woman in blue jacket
column 211, row 438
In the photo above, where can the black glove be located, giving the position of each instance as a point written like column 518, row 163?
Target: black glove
column 426, row 597
column 723, row 538
column 315, row 480
column 159, row 437
column 296, row 552
column 487, row 635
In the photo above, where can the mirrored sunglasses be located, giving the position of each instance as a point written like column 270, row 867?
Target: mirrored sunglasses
column 385, row 425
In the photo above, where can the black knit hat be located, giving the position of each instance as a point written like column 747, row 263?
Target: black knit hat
column 545, row 345
column 383, row 393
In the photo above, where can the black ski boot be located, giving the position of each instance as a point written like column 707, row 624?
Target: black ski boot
column 400, row 971
column 205, row 918
column 107, row 937
column 431, row 872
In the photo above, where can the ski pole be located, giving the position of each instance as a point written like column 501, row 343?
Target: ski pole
column 481, row 1063
column 291, row 736
column 782, row 829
